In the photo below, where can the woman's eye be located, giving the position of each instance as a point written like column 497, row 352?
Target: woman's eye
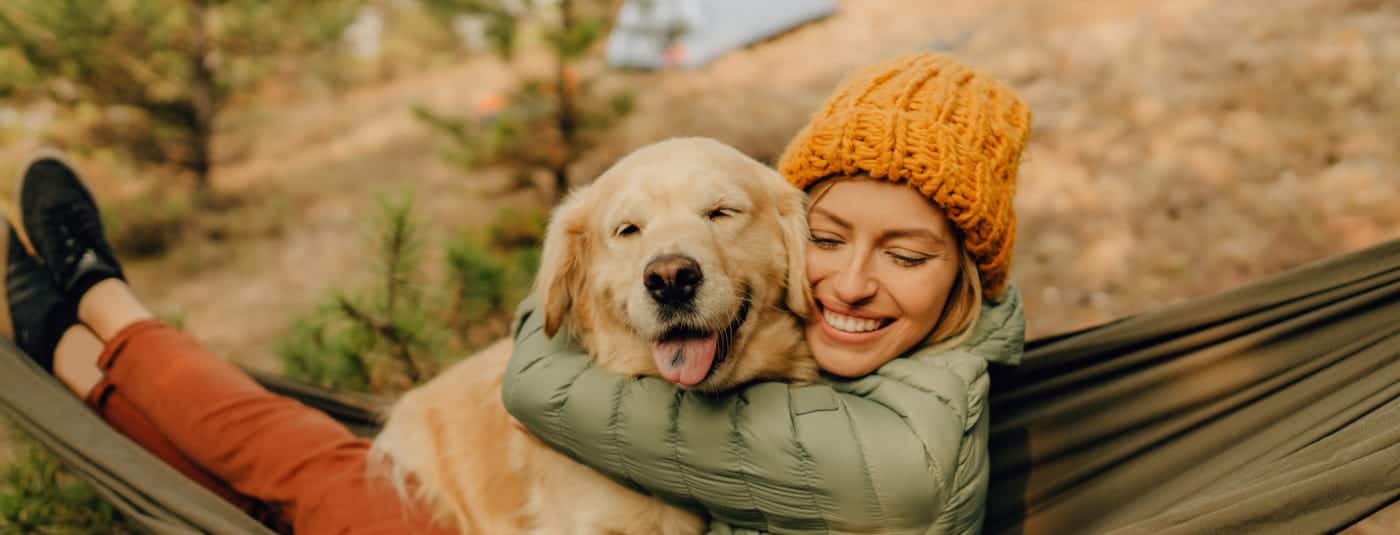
column 824, row 243
column 719, row 213
column 627, row 229
column 907, row 261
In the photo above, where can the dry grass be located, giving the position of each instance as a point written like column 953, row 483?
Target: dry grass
column 1180, row 149
column 1181, row 153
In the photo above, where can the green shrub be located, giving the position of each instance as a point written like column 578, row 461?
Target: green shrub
column 478, row 280
column 524, row 263
column 391, row 334
column 322, row 348
column 39, row 495
column 515, row 229
column 383, row 338
column 491, row 274
column 517, row 236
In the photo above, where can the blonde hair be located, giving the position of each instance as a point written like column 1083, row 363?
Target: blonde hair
column 964, row 305
column 963, row 308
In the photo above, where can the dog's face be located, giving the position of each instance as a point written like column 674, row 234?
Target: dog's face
column 688, row 252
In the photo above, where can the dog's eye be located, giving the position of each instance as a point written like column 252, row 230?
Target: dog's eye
column 719, row 213
column 627, row 229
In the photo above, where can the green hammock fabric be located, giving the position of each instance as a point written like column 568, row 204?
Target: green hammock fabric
column 1271, row 408
column 143, row 487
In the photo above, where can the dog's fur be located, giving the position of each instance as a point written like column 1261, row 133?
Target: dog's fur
column 451, row 446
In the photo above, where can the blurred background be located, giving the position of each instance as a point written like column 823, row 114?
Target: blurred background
column 352, row 191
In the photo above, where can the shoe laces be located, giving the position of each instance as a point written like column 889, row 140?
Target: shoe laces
column 77, row 226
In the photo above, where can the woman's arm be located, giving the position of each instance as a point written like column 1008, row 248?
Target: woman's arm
column 876, row 452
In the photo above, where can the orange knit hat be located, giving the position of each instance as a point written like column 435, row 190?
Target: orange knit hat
column 951, row 133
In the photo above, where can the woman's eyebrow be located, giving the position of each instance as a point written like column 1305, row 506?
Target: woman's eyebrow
column 827, row 214
column 918, row 233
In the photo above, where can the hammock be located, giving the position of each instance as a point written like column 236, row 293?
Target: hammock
column 1271, row 408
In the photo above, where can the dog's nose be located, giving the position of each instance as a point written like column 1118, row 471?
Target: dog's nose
column 672, row 279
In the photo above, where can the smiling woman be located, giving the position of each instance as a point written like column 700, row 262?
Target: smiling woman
column 910, row 169
column 887, row 272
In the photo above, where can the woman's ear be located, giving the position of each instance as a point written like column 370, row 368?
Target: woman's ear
column 561, row 273
column 792, row 218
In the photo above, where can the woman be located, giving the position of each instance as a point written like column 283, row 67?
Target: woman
column 910, row 168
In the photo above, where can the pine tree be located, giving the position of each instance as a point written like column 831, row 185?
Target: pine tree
column 384, row 338
column 544, row 123
column 402, row 325
column 177, row 63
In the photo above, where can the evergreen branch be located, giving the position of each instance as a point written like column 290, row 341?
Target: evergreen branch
column 389, row 331
column 395, row 247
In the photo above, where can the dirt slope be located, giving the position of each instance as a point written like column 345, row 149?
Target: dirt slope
column 1178, row 150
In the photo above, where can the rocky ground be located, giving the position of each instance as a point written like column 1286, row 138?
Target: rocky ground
column 1179, row 149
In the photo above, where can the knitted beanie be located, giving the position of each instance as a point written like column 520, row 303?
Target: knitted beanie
column 951, row 133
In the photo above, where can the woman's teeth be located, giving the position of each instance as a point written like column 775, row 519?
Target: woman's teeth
column 849, row 324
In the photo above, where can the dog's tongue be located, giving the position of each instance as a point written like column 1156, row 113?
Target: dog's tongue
column 685, row 361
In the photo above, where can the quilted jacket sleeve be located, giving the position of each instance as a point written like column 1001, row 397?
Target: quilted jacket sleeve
column 880, row 452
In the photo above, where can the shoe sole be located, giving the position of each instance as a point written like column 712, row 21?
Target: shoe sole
column 46, row 153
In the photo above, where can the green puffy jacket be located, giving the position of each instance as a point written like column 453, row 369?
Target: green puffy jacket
column 902, row 450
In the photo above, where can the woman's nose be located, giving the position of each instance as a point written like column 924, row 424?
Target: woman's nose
column 854, row 285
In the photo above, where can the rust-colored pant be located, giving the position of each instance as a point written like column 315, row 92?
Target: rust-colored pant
column 287, row 464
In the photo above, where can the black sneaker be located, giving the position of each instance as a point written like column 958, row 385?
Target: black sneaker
column 39, row 312
column 62, row 222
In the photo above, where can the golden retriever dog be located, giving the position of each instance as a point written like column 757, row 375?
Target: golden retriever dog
column 683, row 261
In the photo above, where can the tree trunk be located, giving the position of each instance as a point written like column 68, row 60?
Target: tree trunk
column 561, row 183
column 204, row 103
column 565, row 119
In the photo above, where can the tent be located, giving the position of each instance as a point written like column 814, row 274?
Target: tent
column 1271, row 408
column 652, row 34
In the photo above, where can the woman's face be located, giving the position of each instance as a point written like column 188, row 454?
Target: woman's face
column 881, row 264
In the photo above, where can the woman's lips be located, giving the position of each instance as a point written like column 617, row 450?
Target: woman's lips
column 850, row 328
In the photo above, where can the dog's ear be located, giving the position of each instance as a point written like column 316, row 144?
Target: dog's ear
column 561, row 274
column 792, row 218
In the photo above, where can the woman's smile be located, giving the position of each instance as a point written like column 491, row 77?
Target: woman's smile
column 852, row 327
